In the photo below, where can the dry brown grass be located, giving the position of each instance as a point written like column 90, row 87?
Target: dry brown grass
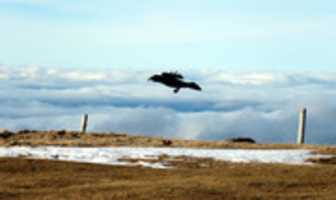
column 193, row 179
column 330, row 160
column 72, row 138
column 324, row 149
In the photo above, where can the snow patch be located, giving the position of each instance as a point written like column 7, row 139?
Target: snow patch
column 114, row 155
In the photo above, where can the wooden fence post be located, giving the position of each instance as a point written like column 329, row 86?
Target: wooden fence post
column 84, row 123
column 302, row 126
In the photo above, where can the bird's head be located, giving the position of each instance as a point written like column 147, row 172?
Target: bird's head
column 195, row 86
column 154, row 78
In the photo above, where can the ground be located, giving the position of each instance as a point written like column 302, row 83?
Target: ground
column 192, row 178
column 74, row 138
column 40, row 179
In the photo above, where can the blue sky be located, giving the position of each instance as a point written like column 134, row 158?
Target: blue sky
column 234, row 35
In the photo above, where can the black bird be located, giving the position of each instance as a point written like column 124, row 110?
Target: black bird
column 174, row 80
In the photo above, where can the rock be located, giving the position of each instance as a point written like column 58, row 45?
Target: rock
column 25, row 131
column 61, row 133
column 167, row 142
column 4, row 133
column 242, row 139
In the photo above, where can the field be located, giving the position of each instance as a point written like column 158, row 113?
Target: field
column 191, row 178
column 40, row 179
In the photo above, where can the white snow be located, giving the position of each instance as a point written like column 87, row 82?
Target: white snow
column 111, row 155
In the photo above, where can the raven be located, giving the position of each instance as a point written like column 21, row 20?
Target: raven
column 174, row 80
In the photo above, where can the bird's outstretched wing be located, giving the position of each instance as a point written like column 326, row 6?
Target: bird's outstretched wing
column 175, row 75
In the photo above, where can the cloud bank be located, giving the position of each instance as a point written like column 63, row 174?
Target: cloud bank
column 263, row 106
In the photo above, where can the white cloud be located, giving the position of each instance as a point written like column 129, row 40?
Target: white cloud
column 245, row 79
column 264, row 106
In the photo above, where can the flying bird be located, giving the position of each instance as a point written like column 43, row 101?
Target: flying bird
column 174, row 80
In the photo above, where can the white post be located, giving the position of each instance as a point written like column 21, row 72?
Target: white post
column 302, row 126
column 84, row 123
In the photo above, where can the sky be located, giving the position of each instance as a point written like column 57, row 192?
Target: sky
column 234, row 35
column 258, row 63
column 262, row 106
